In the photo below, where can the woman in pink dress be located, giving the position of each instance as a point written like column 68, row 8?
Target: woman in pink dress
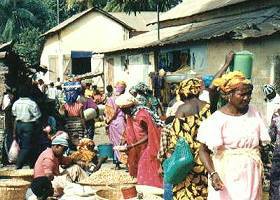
column 231, row 140
column 142, row 136
column 115, row 119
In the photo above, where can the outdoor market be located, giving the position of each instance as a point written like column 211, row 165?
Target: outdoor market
column 116, row 100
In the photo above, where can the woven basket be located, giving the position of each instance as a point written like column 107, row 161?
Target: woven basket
column 108, row 195
column 23, row 174
column 12, row 189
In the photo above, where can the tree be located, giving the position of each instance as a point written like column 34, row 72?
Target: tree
column 13, row 17
column 140, row 5
column 23, row 21
column 84, row 4
column 29, row 45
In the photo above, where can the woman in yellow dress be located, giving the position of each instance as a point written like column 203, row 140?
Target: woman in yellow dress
column 187, row 121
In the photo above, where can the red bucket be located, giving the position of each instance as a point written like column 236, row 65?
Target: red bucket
column 129, row 192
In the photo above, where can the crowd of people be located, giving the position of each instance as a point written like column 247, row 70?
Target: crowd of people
column 212, row 114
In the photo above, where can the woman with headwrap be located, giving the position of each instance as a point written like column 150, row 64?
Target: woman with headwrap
column 115, row 119
column 231, row 139
column 187, row 120
column 145, row 97
column 142, row 136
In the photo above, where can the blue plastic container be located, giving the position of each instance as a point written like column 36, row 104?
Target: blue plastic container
column 105, row 150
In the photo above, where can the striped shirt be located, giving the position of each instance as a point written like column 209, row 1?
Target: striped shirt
column 26, row 110
column 73, row 110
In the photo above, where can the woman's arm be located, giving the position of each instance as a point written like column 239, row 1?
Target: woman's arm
column 82, row 118
column 142, row 140
column 139, row 142
column 226, row 65
column 213, row 93
column 204, row 155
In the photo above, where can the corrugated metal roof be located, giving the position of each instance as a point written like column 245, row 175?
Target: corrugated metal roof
column 138, row 21
column 81, row 14
column 191, row 7
column 248, row 25
column 145, row 39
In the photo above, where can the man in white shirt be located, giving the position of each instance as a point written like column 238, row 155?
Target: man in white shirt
column 26, row 114
column 52, row 91
column 272, row 99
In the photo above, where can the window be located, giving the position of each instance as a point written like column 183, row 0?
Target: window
column 81, row 62
column 81, row 65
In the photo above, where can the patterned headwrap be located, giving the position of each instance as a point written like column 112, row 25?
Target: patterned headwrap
column 132, row 90
column 230, row 81
column 120, row 87
column 190, row 87
column 142, row 87
column 156, row 119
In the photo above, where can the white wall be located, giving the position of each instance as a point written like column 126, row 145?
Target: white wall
column 91, row 32
column 135, row 72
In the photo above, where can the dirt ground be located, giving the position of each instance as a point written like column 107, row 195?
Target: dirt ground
column 100, row 136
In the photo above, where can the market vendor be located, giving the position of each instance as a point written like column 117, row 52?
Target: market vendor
column 48, row 181
column 86, row 156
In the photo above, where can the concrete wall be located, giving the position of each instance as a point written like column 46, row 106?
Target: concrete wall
column 92, row 31
column 264, row 49
column 135, row 72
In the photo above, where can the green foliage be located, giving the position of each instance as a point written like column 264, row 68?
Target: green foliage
column 85, row 4
column 140, row 5
column 29, row 44
column 24, row 21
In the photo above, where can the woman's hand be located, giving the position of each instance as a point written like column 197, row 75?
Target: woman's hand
column 217, row 182
column 122, row 148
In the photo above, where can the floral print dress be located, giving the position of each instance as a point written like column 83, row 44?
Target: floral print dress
column 195, row 185
column 274, row 132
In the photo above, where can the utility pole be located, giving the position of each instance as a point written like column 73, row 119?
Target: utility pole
column 158, row 25
column 57, row 11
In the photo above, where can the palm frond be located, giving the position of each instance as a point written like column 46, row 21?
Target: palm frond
column 7, row 33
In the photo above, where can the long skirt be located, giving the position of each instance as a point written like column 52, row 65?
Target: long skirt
column 274, row 192
column 75, row 130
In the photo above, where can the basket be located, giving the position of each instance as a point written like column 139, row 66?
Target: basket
column 23, row 174
column 108, row 195
column 118, row 187
column 11, row 189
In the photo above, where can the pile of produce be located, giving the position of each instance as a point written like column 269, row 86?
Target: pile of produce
column 109, row 176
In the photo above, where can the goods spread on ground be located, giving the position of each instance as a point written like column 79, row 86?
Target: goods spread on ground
column 109, row 176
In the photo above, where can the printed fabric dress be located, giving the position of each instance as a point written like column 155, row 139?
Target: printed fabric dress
column 117, row 125
column 195, row 185
column 274, row 132
column 235, row 143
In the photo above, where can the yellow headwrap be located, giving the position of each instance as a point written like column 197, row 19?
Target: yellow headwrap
column 230, row 81
column 190, row 87
column 120, row 87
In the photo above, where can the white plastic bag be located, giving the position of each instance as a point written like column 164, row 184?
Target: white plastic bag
column 13, row 152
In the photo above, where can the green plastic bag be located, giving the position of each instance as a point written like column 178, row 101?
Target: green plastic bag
column 178, row 166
